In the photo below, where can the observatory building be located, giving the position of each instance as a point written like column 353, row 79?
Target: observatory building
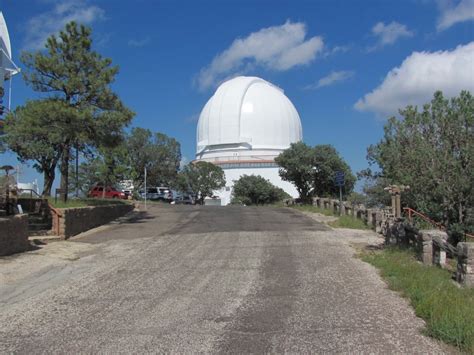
column 7, row 67
column 243, row 127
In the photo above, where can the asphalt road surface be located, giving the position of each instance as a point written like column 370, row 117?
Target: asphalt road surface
column 188, row 279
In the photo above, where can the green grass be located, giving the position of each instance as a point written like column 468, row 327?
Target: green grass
column 341, row 222
column 83, row 202
column 313, row 209
column 349, row 222
column 447, row 309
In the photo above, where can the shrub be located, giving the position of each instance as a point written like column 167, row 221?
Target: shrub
column 256, row 190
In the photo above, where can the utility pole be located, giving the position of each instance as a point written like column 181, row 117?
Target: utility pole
column 340, row 181
column 145, row 188
column 77, row 171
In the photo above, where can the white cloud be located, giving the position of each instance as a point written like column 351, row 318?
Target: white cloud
column 340, row 49
column 139, row 42
column 390, row 33
column 452, row 14
column 331, row 79
column 419, row 76
column 278, row 48
column 41, row 26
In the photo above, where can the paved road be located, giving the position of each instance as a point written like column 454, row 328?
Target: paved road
column 187, row 279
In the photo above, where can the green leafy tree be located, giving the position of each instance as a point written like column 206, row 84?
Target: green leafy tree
column 256, row 190
column 327, row 162
column 201, row 178
column 107, row 167
column 35, row 131
column 70, row 71
column 296, row 166
column 160, row 154
column 312, row 170
column 373, row 188
column 432, row 151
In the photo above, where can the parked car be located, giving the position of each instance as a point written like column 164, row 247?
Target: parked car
column 158, row 194
column 152, row 193
column 110, row 192
column 184, row 200
column 165, row 194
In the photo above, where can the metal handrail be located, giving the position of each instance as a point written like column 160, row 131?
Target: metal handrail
column 427, row 219
column 20, row 191
column 57, row 215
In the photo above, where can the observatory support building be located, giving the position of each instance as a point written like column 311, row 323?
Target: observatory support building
column 243, row 127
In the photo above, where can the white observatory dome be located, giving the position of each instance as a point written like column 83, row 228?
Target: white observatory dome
column 247, row 113
column 243, row 127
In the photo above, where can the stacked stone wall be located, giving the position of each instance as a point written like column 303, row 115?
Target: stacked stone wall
column 13, row 234
column 465, row 268
column 72, row 221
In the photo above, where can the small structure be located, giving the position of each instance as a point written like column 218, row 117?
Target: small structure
column 396, row 191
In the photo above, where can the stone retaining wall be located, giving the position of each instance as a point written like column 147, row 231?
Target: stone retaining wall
column 465, row 268
column 13, row 234
column 371, row 216
column 72, row 221
column 432, row 247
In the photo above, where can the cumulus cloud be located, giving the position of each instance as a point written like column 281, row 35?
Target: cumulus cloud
column 452, row 13
column 390, row 33
column 278, row 48
column 331, row 79
column 41, row 26
column 419, row 76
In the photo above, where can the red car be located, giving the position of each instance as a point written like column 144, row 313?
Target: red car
column 110, row 192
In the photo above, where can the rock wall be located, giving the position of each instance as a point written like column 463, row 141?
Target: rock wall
column 465, row 268
column 72, row 221
column 13, row 234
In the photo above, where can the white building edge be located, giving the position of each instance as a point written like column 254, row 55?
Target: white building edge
column 243, row 127
column 7, row 67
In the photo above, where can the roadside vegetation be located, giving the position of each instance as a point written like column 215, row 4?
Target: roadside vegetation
column 200, row 179
column 447, row 309
column 341, row 221
column 76, row 116
column 70, row 203
column 430, row 149
column 349, row 222
column 314, row 209
column 312, row 170
column 256, row 190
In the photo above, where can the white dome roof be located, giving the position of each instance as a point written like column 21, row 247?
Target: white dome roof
column 248, row 112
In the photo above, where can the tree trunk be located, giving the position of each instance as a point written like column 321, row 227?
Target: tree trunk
column 64, row 169
column 48, row 181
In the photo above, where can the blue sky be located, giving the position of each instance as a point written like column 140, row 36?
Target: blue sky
column 346, row 65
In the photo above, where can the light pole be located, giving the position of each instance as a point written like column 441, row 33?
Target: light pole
column 145, row 188
column 315, row 170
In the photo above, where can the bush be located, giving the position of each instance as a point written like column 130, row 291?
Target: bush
column 256, row 190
